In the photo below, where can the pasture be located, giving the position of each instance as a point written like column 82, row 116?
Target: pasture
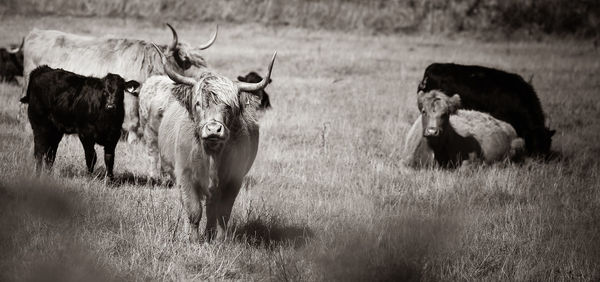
column 326, row 198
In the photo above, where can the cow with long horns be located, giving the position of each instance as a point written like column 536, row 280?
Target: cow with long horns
column 208, row 139
column 132, row 59
column 11, row 63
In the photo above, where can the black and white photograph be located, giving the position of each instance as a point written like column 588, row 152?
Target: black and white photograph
column 304, row 140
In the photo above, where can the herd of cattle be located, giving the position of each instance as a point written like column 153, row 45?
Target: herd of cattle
column 201, row 127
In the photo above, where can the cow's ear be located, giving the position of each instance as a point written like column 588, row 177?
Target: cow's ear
column 241, row 78
column 132, row 87
column 454, row 103
column 420, row 95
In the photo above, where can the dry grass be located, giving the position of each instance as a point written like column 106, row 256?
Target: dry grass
column 325, row 199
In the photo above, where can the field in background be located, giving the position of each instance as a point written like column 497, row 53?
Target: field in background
column 488, row 19
column 325, row 199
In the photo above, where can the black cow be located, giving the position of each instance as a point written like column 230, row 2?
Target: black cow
column 62, row 102
column 11, row 64
column 505, row 96
column 254, row 77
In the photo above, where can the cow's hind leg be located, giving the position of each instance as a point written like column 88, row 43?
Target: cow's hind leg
column 45, row 145
column 39, row 151
column 53, row 142
column 90, row 153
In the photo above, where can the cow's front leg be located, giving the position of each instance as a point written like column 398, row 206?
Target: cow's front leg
column 212, row 212
column 214, row 197
column 90, row 153
column 109, row 159
column 190, row 199
column 230, row 192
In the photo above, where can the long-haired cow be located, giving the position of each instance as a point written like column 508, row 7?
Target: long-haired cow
column 208, row 139
column 154, row 98
column 132, row 59
column 62, row 102
column 11, row 63
column 454, row 137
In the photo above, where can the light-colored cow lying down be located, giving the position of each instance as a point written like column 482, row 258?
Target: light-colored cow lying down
column 450, row 137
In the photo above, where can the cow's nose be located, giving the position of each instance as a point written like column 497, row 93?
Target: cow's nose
column 432, row 131
column 213, row 130
column 214, row 127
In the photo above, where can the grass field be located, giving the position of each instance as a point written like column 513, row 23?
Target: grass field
column 326, row 198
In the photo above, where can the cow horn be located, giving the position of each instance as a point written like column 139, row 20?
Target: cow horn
column 250, row 87
column 172, row 74
column 175, row 38
column 17, row 50
column 211, row 41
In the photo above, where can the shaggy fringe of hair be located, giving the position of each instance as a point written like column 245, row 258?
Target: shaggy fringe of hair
column 433, row 96
column 222, row 91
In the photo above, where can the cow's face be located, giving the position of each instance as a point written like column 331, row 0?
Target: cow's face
column 215, row 109
column 11, row 63
column 17, row 58
column 114, row 90
column 253, row 77
column 213, row 103
column 186, row 59
column 436, row 109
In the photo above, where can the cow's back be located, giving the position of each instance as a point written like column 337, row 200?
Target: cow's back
column 90, row 56
column 52, row 91
column 492, row 135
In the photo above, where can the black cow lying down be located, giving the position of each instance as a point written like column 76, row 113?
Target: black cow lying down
column 11, row 63
column 253, row 77
column 505, row 96
column 62, row 102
